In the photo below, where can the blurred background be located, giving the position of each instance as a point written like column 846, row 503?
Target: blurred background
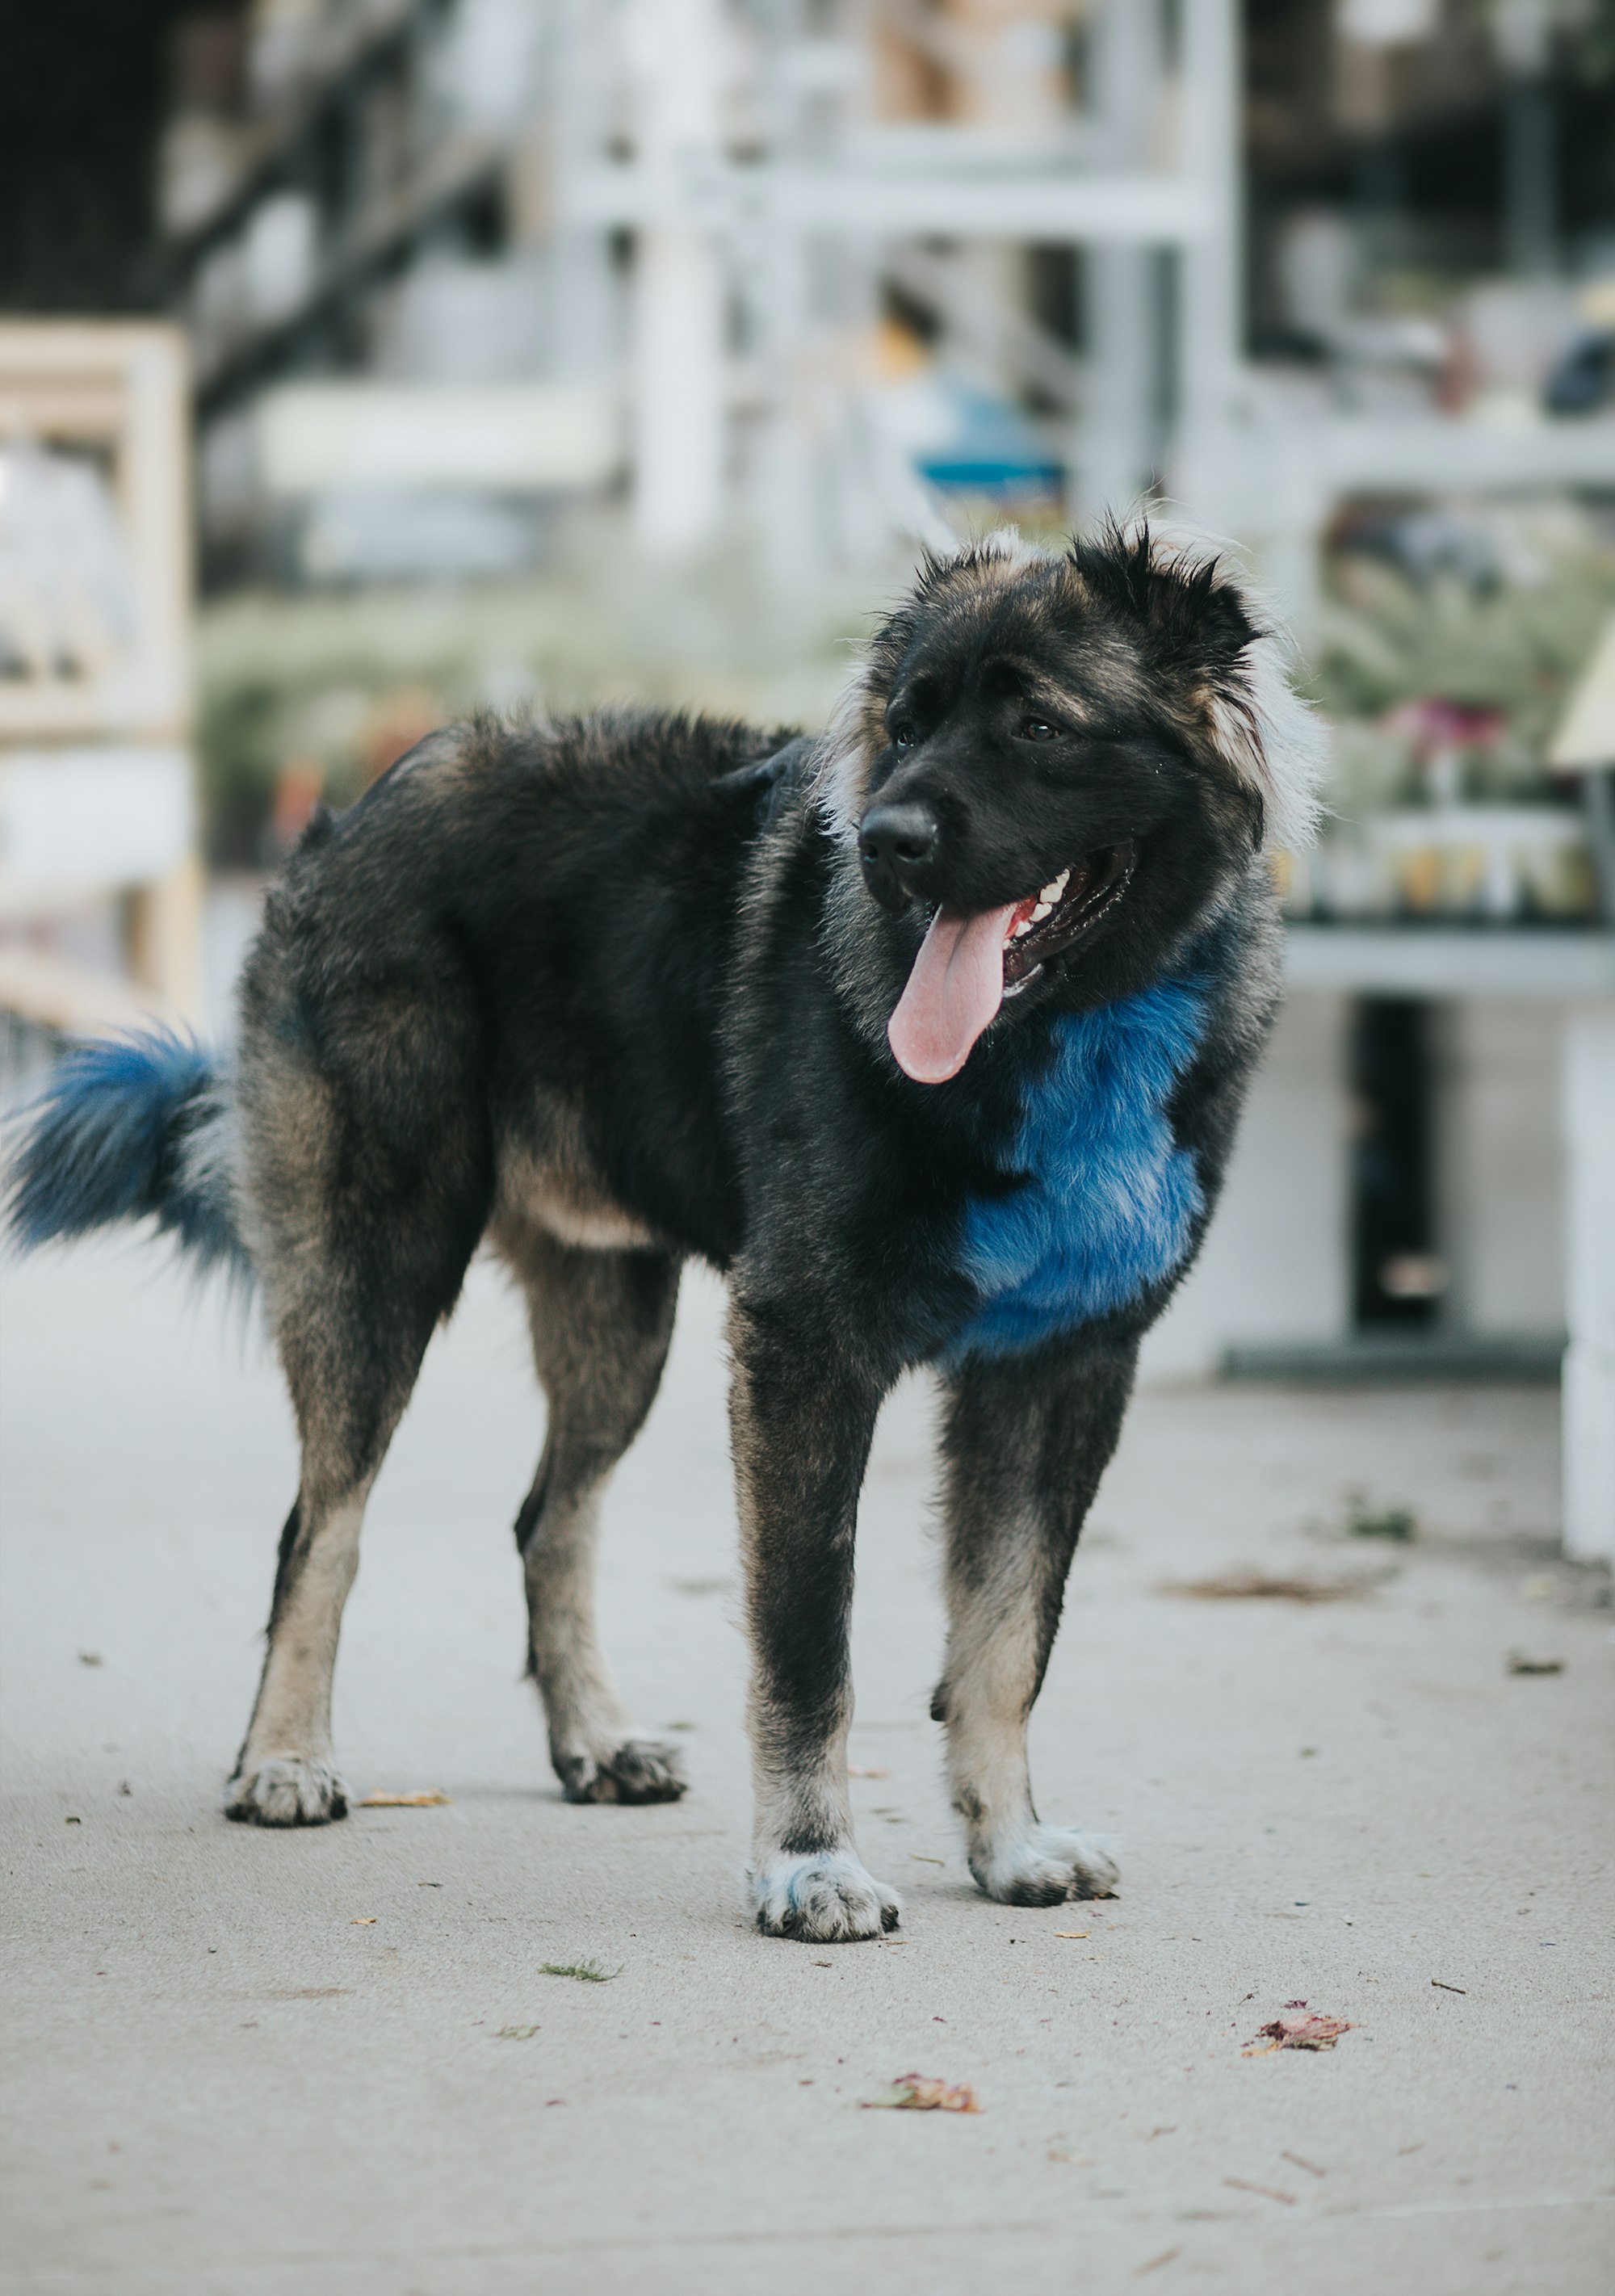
column 364, row 361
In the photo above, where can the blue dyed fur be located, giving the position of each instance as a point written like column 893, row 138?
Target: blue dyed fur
column 1109, row 1199
column 120, row 1132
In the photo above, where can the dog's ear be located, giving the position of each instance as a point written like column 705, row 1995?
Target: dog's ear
column 1205, row 612
column 1205, row 635
column 1181, row 597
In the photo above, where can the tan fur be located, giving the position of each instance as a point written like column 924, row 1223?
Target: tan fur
column 556, row 1186
column 287, row 1754
column 599, row 1345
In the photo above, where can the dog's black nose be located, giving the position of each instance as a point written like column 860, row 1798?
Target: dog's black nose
column 899, row 836
column 896, row 843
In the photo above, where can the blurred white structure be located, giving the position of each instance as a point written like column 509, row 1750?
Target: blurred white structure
column 696, row 209
column 774, row 197
column 96, row 799
column 700, row 211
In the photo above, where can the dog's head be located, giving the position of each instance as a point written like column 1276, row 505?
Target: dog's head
column 1065, row 761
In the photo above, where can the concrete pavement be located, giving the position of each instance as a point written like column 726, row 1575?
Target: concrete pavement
column 245, row 2064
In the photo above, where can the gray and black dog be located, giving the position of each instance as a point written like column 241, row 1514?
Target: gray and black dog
column 930, row 1033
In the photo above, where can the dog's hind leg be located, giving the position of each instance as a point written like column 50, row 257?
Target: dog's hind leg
column 366, row 1179
column 803, row 1416
column 350, row 1374
column 601, row 1323
column 1025, row 1442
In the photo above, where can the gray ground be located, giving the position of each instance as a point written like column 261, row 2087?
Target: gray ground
column 251, row 2063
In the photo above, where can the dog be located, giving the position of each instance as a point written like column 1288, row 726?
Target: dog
column 930, row 1033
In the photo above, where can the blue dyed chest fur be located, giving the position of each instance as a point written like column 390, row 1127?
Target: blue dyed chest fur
column 1108, row 1200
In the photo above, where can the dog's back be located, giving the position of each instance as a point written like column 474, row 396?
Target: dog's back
column 498, row 979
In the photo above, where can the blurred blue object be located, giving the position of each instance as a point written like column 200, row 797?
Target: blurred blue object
column 990, row 449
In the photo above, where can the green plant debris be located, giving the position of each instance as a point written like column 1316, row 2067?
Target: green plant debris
column 515, row 2032
column 1396, row 1523
column 586, row 1972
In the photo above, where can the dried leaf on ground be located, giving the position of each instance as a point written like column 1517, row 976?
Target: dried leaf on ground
column 363, row 1922
column 918, row 2093
column 1073, row 1933
column 515, row 2032
column 1264, row 1586
column 1300, row 2028
column 428, row 1798
column 586, row 1972
column 1524, row 1662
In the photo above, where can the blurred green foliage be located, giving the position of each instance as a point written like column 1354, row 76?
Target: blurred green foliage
column 1511, row 641
column 337, row 683
column 1387, row 639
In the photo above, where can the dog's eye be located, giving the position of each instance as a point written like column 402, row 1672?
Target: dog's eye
column 904, row 737
column 1038, row 729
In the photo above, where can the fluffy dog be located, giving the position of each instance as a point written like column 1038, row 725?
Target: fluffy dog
column 932, row 1033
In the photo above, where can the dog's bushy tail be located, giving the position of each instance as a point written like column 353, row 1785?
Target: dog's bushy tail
column 127, row 1128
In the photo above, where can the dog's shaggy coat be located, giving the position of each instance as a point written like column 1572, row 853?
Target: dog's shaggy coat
column 932, row 1033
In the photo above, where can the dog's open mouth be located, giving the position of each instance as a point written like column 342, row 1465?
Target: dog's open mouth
column 1062, row 911
column 968, row 962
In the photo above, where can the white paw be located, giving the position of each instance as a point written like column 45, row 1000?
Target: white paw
column 827, row 1899
column 287, row 1791
column 1044, row 1865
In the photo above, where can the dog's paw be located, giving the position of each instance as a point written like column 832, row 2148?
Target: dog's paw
column 827, row 1899
column 1045, row 1866
column 287, row 1792
column 641, row 1769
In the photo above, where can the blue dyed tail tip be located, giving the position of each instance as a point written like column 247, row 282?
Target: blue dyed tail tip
column 127, row 1130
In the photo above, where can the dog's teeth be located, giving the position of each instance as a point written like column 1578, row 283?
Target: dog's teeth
column 1051, row 893
column 1024, row 926
column 1042, row 910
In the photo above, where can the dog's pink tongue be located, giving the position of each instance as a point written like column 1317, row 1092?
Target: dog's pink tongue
column 955, row 988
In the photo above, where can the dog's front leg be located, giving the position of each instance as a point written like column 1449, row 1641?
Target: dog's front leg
column 803, row 1424
column 1024, row 1440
